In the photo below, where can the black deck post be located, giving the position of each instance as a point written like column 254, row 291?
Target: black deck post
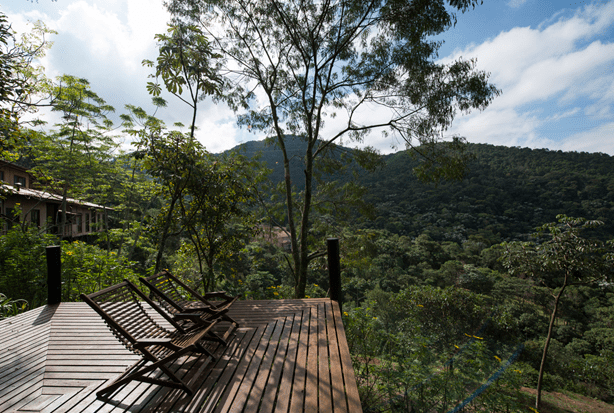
column 54, row 274
column 334, row 270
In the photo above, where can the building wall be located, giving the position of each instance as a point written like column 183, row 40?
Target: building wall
column 12, row 174
column 81, row 220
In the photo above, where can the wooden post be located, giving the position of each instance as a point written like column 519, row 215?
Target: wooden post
column 334, row 270
column 54, row 274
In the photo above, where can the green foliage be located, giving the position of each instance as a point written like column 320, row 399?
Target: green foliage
column 87, row 268
column 22, row 83
column 565, row 259
column 215, row 213
column 9, row 308
column 23, row 266
column 185, row 61
column 506, row 193
column 414, row 367
column 75, row 159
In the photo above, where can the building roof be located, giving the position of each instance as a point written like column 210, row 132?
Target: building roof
column 45, row 196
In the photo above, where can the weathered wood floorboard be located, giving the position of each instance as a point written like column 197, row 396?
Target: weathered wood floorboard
column 286, row 356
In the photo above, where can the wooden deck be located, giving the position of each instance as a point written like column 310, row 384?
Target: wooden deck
column 287, row 356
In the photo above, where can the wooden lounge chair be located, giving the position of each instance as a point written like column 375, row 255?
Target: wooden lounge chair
column 186, row 306
column 124, row 308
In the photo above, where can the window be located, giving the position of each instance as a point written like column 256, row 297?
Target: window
column 1, row 175
column 19, row 180
column 87, row 222
column 35, row 217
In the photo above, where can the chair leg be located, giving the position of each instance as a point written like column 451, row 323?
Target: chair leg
column 138, row 374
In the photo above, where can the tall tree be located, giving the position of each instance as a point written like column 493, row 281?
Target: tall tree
column 293, row 65
column 564, row 260
column 73, row 158
column 184, row 64
column 23, row 86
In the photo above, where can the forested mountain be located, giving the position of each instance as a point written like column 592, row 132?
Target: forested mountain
column 506, row 193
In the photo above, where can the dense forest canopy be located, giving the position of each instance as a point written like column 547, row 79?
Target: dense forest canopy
column 506, row 193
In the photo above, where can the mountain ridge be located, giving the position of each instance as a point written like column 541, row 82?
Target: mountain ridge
column 506, row 193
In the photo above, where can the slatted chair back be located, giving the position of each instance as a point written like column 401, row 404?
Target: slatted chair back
column 174, row 300
column 122, row 308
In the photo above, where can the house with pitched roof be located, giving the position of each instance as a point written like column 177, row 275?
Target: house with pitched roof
column 22, row 202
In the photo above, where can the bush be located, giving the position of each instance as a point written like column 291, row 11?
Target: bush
column 23, row 265
column 9, row 308
column 87, row 268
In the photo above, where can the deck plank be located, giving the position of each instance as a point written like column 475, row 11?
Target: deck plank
column 211, row 395
column 324, row 394
column 311, row 383
column 336, row 371
column 297, row 398
column 286, row 356
column 272, row 384
column 226, row 400
column 242, row 395
column 283, row 396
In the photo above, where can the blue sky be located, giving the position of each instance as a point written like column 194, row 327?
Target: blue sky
column 553, row 61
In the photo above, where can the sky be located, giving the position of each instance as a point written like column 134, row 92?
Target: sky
column 552, row 60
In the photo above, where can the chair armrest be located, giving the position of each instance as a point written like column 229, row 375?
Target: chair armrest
column 164, row 342
column 218, row 294
column 190, row 316
column 196, row 309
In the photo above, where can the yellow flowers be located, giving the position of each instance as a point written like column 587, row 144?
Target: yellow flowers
column 479, row 338
column 518, row 371
column 345, row 313
column 456, row 346
column 535, row 410
column 275, row 293
column 375, row 318
column 69, row 253
column 498, row 359
column 420, row 305
column 307, row 296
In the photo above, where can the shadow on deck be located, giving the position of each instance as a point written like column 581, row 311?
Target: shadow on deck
column 287, row 356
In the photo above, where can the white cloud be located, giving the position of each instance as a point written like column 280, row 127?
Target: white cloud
column 104, row 42
column 558, row 70
column 545, row 74
column 599, row 139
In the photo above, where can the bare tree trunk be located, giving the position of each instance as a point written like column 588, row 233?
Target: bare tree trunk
column 165, row 229
column 538, row 397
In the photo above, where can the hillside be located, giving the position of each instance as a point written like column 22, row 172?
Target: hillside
column 506, row 193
